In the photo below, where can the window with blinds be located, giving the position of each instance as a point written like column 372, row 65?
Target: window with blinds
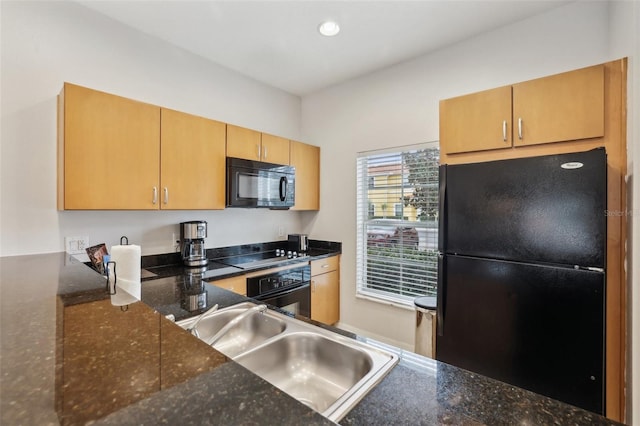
column 398, row 223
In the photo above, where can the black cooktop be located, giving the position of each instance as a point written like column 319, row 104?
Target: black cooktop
column 254, row 260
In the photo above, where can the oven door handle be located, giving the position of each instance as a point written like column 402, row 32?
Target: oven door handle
column 283, row 293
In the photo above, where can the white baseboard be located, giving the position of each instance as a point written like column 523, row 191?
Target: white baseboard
column 402, row 345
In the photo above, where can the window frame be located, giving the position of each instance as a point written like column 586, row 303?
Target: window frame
column 364, row 224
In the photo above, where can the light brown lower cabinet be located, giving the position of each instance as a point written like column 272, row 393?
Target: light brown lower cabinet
column 235, row 284
column 325, row 290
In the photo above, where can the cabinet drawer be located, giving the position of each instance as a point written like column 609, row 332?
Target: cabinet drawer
column 322, row 266
column 236, row 284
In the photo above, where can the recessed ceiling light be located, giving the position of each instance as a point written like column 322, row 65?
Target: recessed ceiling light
column 329, row 28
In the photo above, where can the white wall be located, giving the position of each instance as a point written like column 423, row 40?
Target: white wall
column 47, row 43
column 399, row 106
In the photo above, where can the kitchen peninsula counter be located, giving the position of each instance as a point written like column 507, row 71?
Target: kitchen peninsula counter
column 34, row 289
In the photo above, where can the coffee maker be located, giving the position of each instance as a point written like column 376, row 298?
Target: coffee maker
column 192, row 235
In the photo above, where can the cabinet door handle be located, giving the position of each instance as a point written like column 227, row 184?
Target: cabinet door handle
column 326, row 265
column 504, row 130
column 154, row 200
column 166, row 195
column 259, row 151
column 520, row 128
column 313, row 286
column 265, row 153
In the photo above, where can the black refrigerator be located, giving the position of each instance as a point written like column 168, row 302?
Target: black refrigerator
column 521, row 273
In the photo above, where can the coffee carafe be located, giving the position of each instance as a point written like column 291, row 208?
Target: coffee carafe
column 192, row 235
column 194, row 293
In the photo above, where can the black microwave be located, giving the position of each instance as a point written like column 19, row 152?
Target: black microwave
column 257, row 184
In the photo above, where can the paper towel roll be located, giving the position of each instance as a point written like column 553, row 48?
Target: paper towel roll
column 127, row 274
column 127, row 260
column 127, row 292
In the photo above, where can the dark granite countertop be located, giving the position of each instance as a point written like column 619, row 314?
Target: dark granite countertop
column 222, row 260
column 199, row 386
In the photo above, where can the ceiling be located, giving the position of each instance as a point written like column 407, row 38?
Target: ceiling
column 277, row 42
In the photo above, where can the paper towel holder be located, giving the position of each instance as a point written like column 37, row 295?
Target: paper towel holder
column 124, row 308
column 124, row 237
column 115, row 277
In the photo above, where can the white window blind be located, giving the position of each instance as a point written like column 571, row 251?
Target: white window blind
column 397, row 224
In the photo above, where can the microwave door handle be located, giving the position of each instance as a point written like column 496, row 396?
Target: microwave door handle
column 283, row 188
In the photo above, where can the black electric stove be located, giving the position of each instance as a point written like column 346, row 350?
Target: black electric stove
column 266, row 258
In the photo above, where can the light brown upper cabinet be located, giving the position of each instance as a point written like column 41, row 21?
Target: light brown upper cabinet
column 108, row 151
column 275, row 149
column 115, row 153
column 306, row 159
column 253, row 145
column 562, row 107
column 192, row 162
column 476, row 122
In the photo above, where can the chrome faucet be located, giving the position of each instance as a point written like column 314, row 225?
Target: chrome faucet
column 193, row 328
column 228, row 326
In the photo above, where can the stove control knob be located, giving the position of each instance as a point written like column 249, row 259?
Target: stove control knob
column 295, row 254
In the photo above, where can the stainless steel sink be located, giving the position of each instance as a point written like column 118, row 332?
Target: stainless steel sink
column 318, row 371
column 248, row 333
column 324, row 370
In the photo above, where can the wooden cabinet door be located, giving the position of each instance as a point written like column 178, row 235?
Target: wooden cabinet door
column 562, row 107
column 193, row 162
column 275, row 149
column 236, row 284
column 109, row 151
column 476, row 122
column 243, row 143
column 325, row 297
column 306, row 159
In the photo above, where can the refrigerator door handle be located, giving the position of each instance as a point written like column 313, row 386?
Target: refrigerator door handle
column 442, row 207
column 440, row 299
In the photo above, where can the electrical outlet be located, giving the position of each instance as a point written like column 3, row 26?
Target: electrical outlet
column 76, row 245
column 175, row 242
column 280, row 231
